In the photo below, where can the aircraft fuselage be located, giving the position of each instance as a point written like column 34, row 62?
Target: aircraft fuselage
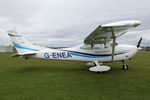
column 122, row 52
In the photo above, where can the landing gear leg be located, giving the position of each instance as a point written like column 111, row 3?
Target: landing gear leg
column 125, row 66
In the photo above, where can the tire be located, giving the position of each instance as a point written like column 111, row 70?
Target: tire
column 125, row 67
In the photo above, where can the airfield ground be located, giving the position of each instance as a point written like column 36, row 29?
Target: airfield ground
column 35, row 79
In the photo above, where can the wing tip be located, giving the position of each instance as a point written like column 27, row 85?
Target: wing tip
column 123, row 23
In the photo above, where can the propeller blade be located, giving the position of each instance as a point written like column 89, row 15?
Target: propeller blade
column 138, row 44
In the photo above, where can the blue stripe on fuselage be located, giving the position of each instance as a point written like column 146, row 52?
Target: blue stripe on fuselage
column 87, row 56
column 20, row 47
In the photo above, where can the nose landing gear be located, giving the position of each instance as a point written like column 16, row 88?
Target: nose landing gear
column 125, row 66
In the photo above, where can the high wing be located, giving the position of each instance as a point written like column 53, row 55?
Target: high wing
column 107, row 32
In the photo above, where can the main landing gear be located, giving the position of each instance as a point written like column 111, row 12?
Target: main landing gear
column 99, row 68
column 125, row 66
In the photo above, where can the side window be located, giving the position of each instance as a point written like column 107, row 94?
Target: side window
column 86, row 47
column 111, row 44
column 96, row 46
column 102, row 46
column 107, row 45
column 99, row 46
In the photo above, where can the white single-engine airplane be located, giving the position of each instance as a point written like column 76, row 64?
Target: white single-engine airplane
column 98, row 47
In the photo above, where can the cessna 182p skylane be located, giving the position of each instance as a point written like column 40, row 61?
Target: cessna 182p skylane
column 100, row 46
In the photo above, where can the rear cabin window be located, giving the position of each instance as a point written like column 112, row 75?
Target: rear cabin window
column 86, row 47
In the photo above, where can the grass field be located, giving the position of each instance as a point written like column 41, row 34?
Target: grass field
column 35, row 79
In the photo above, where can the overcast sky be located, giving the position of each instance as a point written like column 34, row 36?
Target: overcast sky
column 68, row 22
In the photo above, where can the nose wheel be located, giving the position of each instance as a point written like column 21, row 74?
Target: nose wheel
column 125, row 66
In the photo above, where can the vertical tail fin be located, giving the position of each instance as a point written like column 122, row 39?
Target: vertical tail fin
column 21, row 44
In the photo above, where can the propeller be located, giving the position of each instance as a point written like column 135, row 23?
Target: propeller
column 138, row 44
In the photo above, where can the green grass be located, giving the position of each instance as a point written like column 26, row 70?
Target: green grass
column 35, row 79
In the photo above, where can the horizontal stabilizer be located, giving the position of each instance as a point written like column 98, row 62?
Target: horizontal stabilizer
column 23, row 54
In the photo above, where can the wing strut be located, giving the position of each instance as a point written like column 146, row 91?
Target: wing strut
column 114, row 42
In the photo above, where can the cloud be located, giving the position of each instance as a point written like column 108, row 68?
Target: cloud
column 134, row 36
column 58, row 21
